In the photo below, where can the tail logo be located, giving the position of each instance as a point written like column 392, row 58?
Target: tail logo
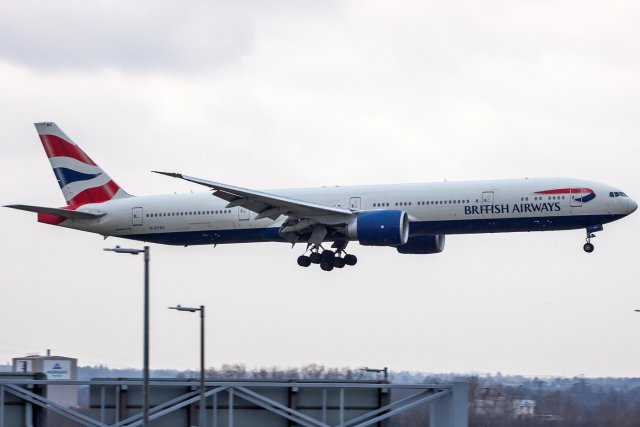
column 81, row 180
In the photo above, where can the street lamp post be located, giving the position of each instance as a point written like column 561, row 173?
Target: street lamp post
column 202, row 406
column 384, row 371
column 145, row 363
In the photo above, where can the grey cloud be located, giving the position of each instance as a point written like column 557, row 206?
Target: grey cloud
column 132, row 36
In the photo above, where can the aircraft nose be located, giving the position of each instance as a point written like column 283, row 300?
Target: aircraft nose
column 632, row 205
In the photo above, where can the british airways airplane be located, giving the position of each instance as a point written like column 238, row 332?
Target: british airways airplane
column 413, row 218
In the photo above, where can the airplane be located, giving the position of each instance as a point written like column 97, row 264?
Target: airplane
column 412, row 218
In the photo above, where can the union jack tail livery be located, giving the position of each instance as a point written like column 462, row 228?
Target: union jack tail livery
column 80, row 179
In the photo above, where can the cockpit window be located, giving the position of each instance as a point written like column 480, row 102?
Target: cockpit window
column 617, row 194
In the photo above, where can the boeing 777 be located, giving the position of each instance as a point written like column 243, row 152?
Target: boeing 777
column 412, row 218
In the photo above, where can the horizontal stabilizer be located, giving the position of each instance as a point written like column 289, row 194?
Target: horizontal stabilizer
column 56, row 211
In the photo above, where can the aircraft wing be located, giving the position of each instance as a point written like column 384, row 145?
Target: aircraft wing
column 266, row 205
column 56, row 211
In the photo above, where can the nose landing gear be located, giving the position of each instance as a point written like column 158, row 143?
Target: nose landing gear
column 588, row 247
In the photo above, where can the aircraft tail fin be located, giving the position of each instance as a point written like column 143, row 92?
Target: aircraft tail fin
column 81, row 180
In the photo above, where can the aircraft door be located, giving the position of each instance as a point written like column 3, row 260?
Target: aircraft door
column 243, row 214
column 136, row 216
column 487, row 200
column 355, row 203
column 576, row 197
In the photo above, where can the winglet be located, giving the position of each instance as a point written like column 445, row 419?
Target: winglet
column 171, row 174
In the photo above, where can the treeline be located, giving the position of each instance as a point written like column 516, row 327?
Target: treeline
column 240, row 372
column 579, row 402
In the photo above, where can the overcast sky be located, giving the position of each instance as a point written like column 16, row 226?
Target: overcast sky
column 307, row 93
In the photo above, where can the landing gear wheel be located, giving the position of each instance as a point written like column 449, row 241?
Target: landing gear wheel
column 328, row 256
column 339, row 262
column 304, row 261
column 326, row 265
column 315, row 258
column 350, row 259
column 588, row 247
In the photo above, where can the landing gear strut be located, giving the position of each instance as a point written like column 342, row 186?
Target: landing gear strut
column 327, row 258
column 588, row 247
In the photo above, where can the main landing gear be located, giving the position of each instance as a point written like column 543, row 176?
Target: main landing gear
column 588, row 247
column 327, row 258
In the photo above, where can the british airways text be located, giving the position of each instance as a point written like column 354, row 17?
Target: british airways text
column 515, row 208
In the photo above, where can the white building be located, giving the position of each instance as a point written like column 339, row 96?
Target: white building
column 524, row 407
column 56, row 368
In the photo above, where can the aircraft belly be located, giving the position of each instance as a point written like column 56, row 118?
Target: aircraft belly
column 505, row 225
column 210, row 237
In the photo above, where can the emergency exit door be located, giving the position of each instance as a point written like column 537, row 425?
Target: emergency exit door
column 355, row 203
column 136, row 216
column 576, row 197
column 243, row 214
column 487, row 198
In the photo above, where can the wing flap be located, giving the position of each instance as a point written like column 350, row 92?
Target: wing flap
column 259, row 201
column 57, row 211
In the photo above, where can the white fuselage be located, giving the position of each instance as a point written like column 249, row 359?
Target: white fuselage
column 433, row 208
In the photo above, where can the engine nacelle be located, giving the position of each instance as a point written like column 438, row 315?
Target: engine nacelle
column 423, row 245
column 380, row 228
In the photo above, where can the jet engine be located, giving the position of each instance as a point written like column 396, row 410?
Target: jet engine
column 423, row 245
column 380, row 228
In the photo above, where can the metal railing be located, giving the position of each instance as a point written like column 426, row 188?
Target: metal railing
column 116, row 403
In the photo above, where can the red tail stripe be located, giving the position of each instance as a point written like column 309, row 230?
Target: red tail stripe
column 51, row 218
column 95, row 195
column 566, row 191
column 55, row 219
column 58, row 147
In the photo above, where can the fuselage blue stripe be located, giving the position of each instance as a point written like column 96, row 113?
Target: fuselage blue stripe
column 418, row 228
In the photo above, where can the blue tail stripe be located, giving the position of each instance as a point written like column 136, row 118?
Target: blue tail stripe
column 66, row 176
column 588, row 198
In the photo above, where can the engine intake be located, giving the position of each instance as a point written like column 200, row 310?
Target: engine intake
column 423, row 245
column 380, row 228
